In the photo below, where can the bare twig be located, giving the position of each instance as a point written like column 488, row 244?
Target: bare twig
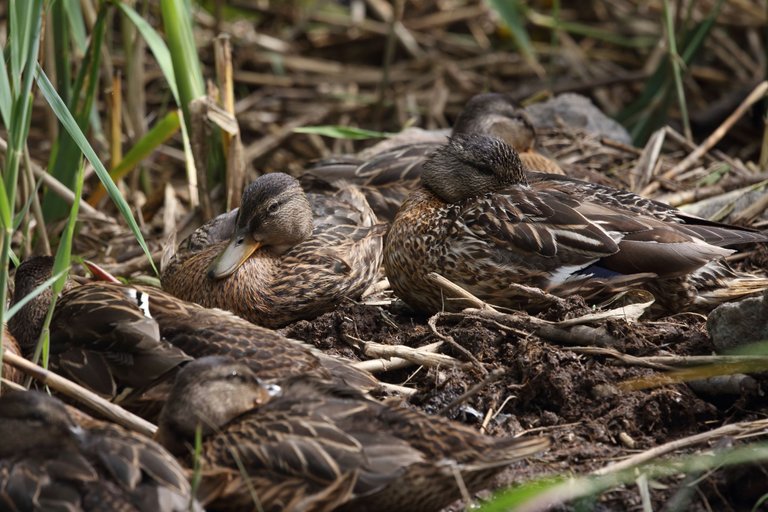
column 449, row 339
column 415, row 355
column 82, row 395
column 682, row 166
column 734, row 429
column 387, row 364
column 472, row 391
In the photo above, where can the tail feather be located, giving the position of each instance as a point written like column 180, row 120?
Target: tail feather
column 717, row 282
column 508, row 451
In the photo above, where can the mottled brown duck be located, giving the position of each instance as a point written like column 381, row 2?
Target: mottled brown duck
column 10, row 344
column 49, row 462
column 484, row 223
column 282, row 256
column 389, row 171
column 126, row 342
column 312, row 445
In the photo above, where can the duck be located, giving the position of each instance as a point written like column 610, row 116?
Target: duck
column 11, row 345
column 50, row 462
column 484, row 222
column 304, row 443
column 282, row 256
column 128, row 342
column 390, row 170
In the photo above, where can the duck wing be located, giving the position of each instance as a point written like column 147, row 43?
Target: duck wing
column 103, row 337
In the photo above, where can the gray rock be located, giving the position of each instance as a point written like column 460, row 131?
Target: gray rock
column 576, row 111
column 735, row 324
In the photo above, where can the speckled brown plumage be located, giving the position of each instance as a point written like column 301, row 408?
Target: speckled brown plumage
column 129, row 341
column 284, row 280
column 308, row 444
column 483, row 222
column 48, row 462
column 12, row 346
column 391, row 170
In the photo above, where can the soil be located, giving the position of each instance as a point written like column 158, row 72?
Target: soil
column 553, row 390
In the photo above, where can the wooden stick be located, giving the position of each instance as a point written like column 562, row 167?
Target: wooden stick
column 755, row 96
column 667, row 362
column 415, row 355
column 82, row 395
column 60, row 189
column 742, row 428
column 456, row 290
column 472, row 391
column 386, row 364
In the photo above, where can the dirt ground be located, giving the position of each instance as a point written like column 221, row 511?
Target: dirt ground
column 552, row 389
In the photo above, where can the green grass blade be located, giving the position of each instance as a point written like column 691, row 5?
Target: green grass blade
column 160, row 132
column 61, row 56
column 583, row 29
column 677, row 74
column 343, row 132
column 6, row 101
column 74, row 16
column 61, row 265
column 156, row 45
column 63, row 161
column 511, row 498
column 64, row 251
column 68, row 122
column 511, row 14
column 696, row 41
column 6, row 213
column 163, row 57
column 23, row 16
column 177, row 23
column 551, row 494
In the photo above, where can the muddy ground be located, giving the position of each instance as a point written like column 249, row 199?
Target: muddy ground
column 553, row 390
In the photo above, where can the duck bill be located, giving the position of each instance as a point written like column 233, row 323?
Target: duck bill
column 233, row 256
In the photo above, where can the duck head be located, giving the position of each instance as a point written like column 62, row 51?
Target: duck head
column 274, row 213
column 496, row 115
column 33, row 421
column 26, row 325
column 471, row 165
column 208, row 393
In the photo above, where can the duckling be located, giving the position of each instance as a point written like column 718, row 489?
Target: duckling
column 49, row 462
column 483, row 222
column 310, row 444
column 390, row 170
column 126, row 342
column 288, row 256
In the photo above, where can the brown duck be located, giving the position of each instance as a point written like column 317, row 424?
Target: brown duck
column 484, row 223
column 312, row 445
column 282, row 256
column 127, row 342
column 49, row 462
column 391, row 170
column 11, row 345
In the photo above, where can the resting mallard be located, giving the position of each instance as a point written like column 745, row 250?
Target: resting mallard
column 484, row 223
column 283, row 256
column 128, row 341
column 49, row 462
column 308, row 444
column 11, row 345
column 391, row 170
